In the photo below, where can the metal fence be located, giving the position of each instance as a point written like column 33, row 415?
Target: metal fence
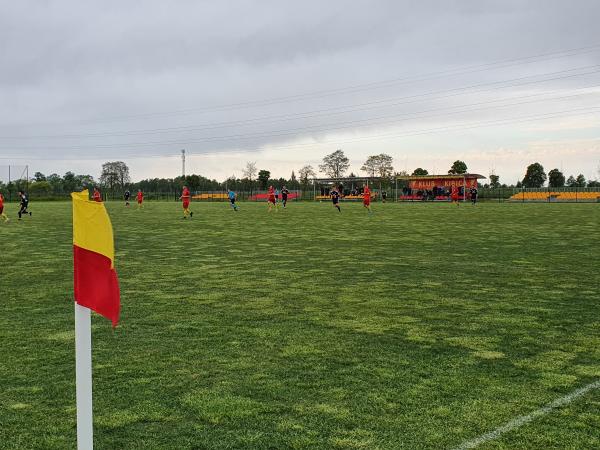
column 499, row 195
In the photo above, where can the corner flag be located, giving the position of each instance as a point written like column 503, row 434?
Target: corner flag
column 95, row 280
column 96, row 288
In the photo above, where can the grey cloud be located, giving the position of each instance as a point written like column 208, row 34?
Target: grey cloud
column 66, row 66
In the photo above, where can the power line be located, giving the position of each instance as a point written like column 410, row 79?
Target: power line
column 319, row 128
column 362, row 87
column 450, row 128
column 407, row 100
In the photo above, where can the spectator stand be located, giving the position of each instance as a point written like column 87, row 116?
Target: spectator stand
column 351, row 188
column 435, row 187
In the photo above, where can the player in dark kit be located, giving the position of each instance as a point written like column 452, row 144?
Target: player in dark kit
column 284, row 196
column 335, row 198
column 24, row 205
column 127, row 195
column 473, row 192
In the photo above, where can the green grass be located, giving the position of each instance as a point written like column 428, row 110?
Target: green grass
column 421, row 326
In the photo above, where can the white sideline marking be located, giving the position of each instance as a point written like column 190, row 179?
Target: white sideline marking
column 522, row 420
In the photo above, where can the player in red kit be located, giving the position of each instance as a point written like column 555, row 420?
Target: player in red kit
column 454, row 195
column 2, row 215
column 185, row 198
column 97, row 197
column 271, row 199
column 140, row 199
column 367, row 198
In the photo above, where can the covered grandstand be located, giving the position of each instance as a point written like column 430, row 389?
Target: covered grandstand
column 351, row 188
column 435, row 187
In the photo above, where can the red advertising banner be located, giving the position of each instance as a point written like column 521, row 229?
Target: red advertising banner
column 430, row 183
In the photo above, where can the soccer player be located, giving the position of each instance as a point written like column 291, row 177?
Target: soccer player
column 140, row 199
column 473, row 192
column 232, row 197
column 367, row 198
column 127, row 195
column 185, row 198
column 335, row 198
column 24, row 205
column 284, row 196
column 97, row 197
column 2, row 215
column 271, row 199
column 454, row 195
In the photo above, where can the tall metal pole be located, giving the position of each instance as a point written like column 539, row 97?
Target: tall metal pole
column 183, row 163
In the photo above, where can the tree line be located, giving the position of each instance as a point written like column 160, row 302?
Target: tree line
column 115, row 177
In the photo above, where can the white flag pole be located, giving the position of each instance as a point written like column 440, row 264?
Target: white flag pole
column 83, row 378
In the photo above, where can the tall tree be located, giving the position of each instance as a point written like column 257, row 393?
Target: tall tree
column 380, row 165
column 263, row 178
column 250, row 170
column 306, row 173
column 535, row 176
column 370, row 166
column 69, row 183
column 580, row 180
column 556, row 178
column 458, row 167
column 115, row 174
column 494, row 181
column 335, row 164
column 419, row 172
column 39, row 176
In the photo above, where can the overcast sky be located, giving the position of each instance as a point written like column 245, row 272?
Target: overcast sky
column 498, row 84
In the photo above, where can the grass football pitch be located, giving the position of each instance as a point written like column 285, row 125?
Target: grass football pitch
column 422, row 326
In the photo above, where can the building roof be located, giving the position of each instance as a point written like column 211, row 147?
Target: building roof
column 438, row 177
column 344, row 179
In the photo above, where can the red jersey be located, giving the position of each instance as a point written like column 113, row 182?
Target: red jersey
column 185, row 197
column 1, row 201
column 140, row 197
column 366, row 196
column 97, row 197
column 272, row 195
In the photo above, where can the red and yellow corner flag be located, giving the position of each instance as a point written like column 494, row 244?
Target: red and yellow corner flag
column 95, row 279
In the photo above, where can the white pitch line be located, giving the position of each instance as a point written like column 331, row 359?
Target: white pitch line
column 522, row 420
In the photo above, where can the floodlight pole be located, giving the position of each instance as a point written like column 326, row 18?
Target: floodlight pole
column 183, row 163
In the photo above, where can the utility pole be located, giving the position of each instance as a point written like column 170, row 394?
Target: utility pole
column 183, row 163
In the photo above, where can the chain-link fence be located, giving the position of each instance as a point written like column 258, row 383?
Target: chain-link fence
column 13, row 178
column 499, row 195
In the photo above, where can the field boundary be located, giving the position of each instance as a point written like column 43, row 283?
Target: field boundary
column 525, row 419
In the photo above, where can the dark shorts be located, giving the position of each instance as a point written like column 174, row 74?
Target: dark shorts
column 335, row 201
column 232, row 200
